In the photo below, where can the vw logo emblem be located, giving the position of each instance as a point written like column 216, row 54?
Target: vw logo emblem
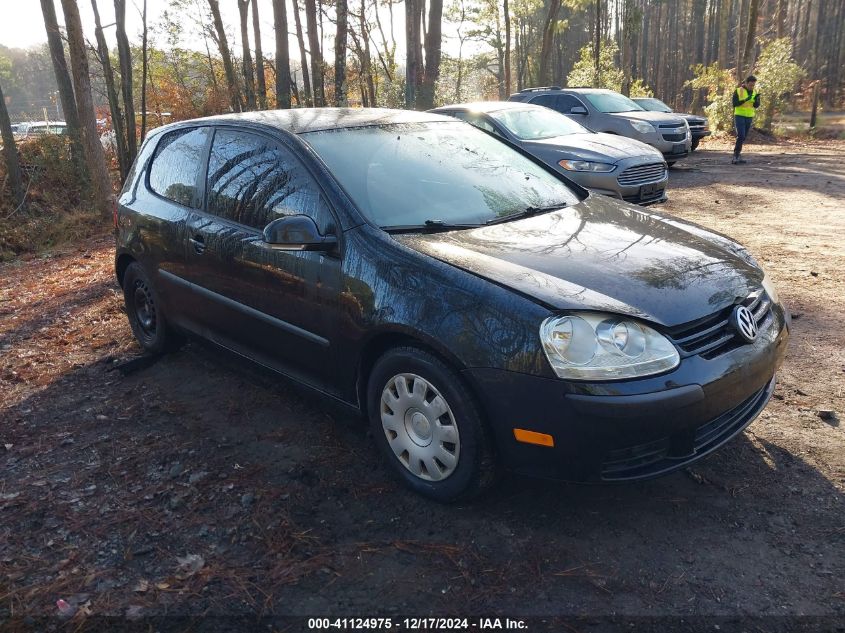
column 744, row 323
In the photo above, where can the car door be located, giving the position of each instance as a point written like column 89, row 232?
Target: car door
column 273, row 305
column 168, row 193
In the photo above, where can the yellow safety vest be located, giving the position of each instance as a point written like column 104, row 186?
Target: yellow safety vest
column 747, row 108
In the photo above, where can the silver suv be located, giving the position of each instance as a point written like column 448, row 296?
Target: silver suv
column 607, row 111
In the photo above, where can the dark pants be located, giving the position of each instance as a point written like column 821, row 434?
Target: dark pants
column 743, row 127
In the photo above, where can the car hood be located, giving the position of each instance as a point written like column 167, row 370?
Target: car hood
column 691, row 117
column 589, row 146
column 604, row 255
column 651, row 117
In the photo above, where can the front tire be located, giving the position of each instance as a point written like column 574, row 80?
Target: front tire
column 143, row 308
column 694, row 145
column 428, row 427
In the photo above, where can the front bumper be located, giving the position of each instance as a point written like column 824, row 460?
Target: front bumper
column 645, row 192
column 634, row 429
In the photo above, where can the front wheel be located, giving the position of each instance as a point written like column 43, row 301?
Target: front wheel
column 428, row 427
column 694, row 145
column 143, row 309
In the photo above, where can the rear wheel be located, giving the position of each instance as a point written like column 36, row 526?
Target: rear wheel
column 428, row 427
column 143, row 309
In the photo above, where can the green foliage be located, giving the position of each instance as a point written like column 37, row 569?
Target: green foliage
column 640, row 89
column 58, row 206
column 777, row 76
column 584, row 71
column 719, row 86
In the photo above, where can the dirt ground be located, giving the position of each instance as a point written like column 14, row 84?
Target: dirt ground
column 199, row 484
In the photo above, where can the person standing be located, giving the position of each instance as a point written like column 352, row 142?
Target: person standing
column 745, row 101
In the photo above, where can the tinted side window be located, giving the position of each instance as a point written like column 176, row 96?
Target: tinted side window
column 175, row 169
column 565, row 103
column 252, row 180
column 476, row 120
column 545, row 100
column 484, row 124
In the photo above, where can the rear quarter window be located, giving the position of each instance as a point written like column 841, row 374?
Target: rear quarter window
column 177, row 164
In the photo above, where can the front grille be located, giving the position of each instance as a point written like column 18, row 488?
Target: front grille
column 674, row 138
column 713, row 335
column 669, row 453
column 642, row 174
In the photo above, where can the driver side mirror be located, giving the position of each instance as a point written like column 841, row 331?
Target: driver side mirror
column 578, row 110
column 298, row 233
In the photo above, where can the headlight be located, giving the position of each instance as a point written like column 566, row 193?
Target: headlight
column 596, row 346
column 585, row 165
column 642, row 127
column 770, row 289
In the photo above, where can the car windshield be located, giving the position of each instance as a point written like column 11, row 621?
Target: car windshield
column 536, row 123
column 653, row 105
column 609, row 102
column 446, row 173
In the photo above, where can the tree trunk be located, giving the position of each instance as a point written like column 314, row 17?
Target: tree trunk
column 751, row 36
column 144, row 70
column 815, row 107
column 124, row 54
column 724, row 24
column 280, row 26
column 10, row 152
column 340, row 97
column 412, row 36
column 548, row 39
column 306, row 79
column 57, row 57
column 739, row 40
column 100, row 182
column 507, row 12
column 316, row 55
column 597, row 45
column 261, row 81
column 433, row 41
column 228, row 66
column 780, row 19
column 123, row 161
column 247, row 67
column 698, row 8
column 368, row 58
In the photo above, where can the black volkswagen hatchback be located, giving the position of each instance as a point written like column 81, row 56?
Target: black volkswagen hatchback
column 480, row 309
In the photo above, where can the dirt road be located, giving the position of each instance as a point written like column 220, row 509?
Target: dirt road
column 199, row 484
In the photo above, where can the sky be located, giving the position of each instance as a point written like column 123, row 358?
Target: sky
column 22, row 25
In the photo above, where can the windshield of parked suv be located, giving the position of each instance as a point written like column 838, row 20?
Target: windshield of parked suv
column 653, row 105
column 536, row 123
column 610, row 102
column 435, row 172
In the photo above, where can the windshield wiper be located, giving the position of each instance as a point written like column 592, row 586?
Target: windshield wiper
column 526, row 213
column 429, row 226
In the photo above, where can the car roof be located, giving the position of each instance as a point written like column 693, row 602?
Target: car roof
column 487, row 106
column 44, row 123
column 301, row 120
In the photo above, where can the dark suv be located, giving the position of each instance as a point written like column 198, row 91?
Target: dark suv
column 478, row 307
column 697, row 124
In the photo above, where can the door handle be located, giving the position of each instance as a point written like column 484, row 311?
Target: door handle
column 198, row 243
